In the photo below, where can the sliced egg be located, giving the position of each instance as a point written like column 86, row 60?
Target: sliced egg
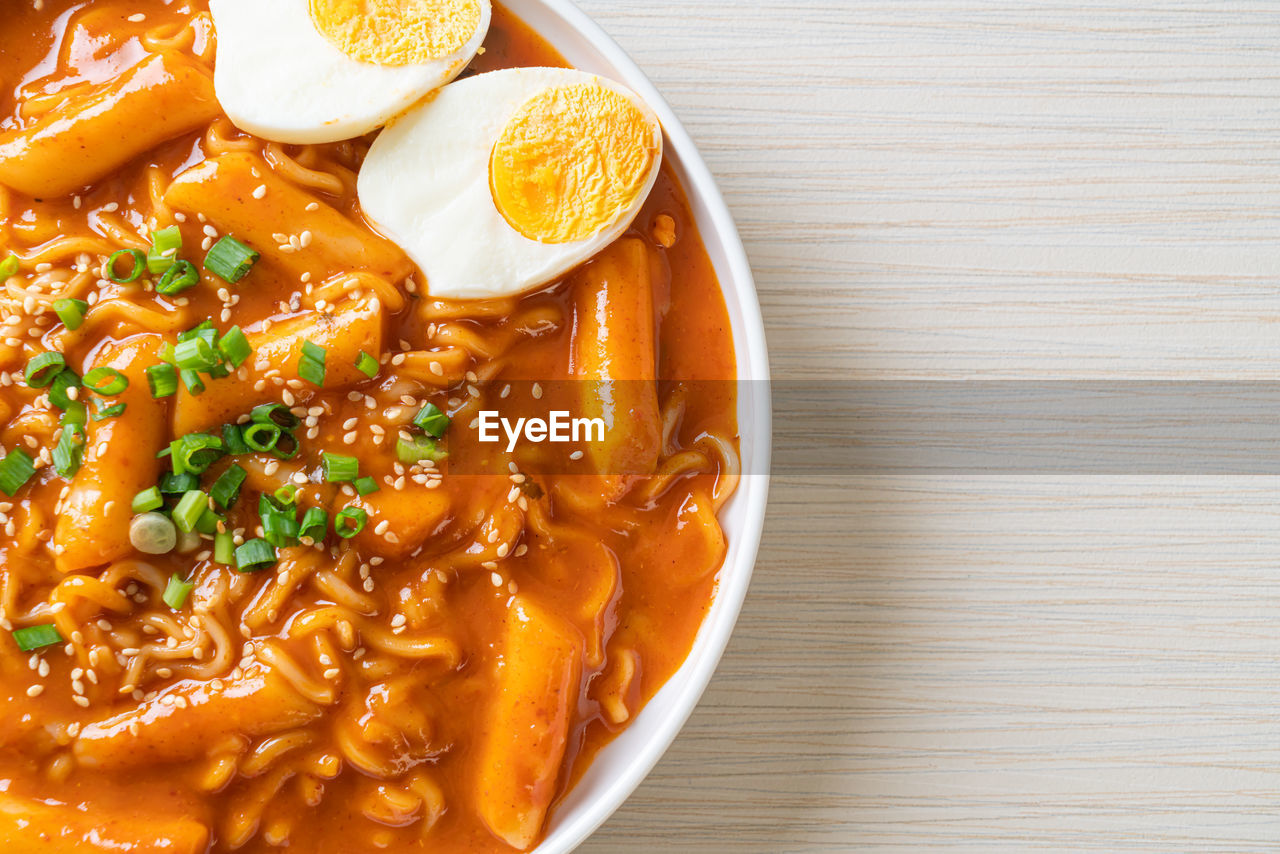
column 306, row 71
column 506, row 181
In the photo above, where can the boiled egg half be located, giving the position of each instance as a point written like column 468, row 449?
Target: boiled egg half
column 309, row 71
column 505, row 181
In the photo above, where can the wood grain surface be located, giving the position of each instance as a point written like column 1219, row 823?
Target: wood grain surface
column 1017, row 190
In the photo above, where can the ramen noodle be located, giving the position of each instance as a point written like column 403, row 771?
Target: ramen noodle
column 273, row 600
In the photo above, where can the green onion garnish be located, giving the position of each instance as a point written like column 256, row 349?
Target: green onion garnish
column 178, row 278
column 176, row 484
column 338, row 468
column 16, row 468
column 224, row 548
column 195, row 452
column 138, row 259
column 71, row 312
column 208, row 522
column 102, row 413
column 234, row 347
column 367, row 365
column 350, row 521
column 165, row 243
column 286, row 447
column 42, row 369
column 431, row 420
column 105, row 381
column 259, row 436
column 286, row 496
column 233, row 440
column 148, row 499
column 204, row 329
column 311, row 364
column 280, row 529
column 255, row 555
column 230, row 260
column 366, row 485
column 8, row 267
column 77, row 413
column 226, row 489
column 59, row 390
column 189, row 509
column 314, row 523
column 419, row 449
column 162, row 379
column 35, row 637
column 152, row 533
column 274, row 413
column 191, row 380
column 69, row 452
column 195, row 354
column 177, row 591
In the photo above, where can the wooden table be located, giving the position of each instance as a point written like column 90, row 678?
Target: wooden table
column 1009, row 189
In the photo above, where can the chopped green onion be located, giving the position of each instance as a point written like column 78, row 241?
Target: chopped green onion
column 230, row 260
column 275, row 413
column 152, row 533
column 77, row 413
column 367, row 365
column 314, row 523
column 176, row 592
column 42, row 369
column 208, row 522
column 139, row 261
column 350, row 521
column 70, row 311
column 339, row 468
column 148, row 499
column 8, row 267
column 431, row 420
column 233, row 440
column 35, row 637
column 60, row 390
column 189, row 509
column 311, row 364
column 165, row 243
column 259, row 436
column 218, row 371
column 366, row 485
column 69, row 452
column 204, row 329
column 191, row 380
column 102, row 413
column 178, row 278
column 224, row 548
column 254, row 555
column 162, row 379
column 280, row 529
column 195, row 354
column 16, row 468
column 286, row 496
column 195, row 452
column 286, row 447
column 176, row 484
column 418, row 449
column 234, row 347
column 105, row 381
column 226, row 489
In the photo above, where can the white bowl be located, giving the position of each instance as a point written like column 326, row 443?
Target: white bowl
column 620, row 767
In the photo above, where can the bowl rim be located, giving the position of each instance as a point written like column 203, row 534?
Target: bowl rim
column 580, row 813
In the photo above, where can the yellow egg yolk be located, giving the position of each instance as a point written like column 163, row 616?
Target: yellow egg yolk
column 570, row 162
column 396, row 32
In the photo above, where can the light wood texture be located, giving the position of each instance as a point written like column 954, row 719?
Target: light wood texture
column 1017, row 189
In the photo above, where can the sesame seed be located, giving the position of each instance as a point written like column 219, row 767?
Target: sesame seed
column 260, row 191
column 35, row 690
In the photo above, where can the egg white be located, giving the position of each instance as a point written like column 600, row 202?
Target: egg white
column 279, row 78
column 425, row 184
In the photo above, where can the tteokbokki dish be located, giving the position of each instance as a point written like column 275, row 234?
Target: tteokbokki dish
column 263, row 266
